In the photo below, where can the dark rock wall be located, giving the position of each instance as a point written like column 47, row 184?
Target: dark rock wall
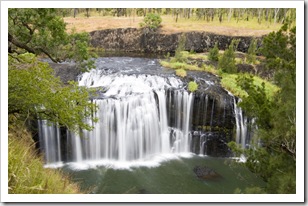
column 148, row 41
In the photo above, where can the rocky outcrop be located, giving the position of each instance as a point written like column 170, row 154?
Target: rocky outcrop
column 66, row 71
column 149, row 41
column 206, row 173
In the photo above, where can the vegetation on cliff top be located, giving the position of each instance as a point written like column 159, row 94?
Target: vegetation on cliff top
column 224, row 21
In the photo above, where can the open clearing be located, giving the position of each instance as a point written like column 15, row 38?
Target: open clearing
column 232, row 28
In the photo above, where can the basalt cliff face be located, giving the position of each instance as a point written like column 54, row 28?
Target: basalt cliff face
column 150, row 41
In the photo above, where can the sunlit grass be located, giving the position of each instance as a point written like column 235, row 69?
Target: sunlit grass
column 26, row 173
column 232, row 28
column 180, row 65
column 229, row 82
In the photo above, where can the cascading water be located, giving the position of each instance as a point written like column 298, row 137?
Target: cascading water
column 142, row 115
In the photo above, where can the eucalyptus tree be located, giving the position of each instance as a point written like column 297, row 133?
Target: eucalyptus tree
column 34, row 91
column 43, row 32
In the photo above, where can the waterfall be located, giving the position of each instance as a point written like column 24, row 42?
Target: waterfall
column 50, row 141
column 141, row 116
column 133, row 122
column 241, row 125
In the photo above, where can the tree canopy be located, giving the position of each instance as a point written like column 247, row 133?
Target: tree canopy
column 41, row 31
column 34, row 91
column 275, row 161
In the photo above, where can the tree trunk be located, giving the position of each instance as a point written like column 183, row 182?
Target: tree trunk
column 230, row 14
column 275, row 16
column 75, row 12
column 87, row 13
column 259, row 15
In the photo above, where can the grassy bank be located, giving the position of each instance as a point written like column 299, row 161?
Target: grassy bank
column 26, row 173
column 228, row 81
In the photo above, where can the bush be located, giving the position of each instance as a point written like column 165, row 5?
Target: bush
column 213, row 53
column 192, row 86
column 180, row 72
column 251, row 54
column 152, row 21
column 227, row 62
column 178, row 56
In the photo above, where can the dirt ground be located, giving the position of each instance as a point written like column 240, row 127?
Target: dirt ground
column 168, row 26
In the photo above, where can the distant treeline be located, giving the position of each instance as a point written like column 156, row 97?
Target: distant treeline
column 272, row 15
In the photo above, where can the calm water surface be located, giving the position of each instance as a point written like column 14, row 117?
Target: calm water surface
column 169, row 177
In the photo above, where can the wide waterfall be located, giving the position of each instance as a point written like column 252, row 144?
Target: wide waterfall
column 141, row 115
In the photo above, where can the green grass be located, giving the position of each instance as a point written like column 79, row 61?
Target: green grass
column 180, row 72
column 180, row 65
column 192, row 86
column 228, row 81
column 26, row 173
column 202, row 56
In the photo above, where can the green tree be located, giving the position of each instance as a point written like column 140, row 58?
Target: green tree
column 43, row 32
column 227, row 61
column 152, row 21
column 251, row 53
column 214, row 52
column 178, row 56
column 275, row 161
column 34, row 92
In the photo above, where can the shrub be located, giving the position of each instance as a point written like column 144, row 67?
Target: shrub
column 180, row 72
column 227, row 62
column 178, row 56
column 152, row 21
column 192, row 86
column 251, row 54
column 213, row 53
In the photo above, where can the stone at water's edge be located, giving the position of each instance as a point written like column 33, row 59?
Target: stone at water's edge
column 206, row 173
column 148, row 41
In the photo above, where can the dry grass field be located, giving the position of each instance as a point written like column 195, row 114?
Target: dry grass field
column 232, row 28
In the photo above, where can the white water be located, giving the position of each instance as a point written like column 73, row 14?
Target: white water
column 50, row 141
column 241, row 125
column 133, row 127
column 133, row 119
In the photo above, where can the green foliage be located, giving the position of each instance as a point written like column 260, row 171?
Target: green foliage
column 276, row 118
column 192, row 86
column 152, row 21
column 251, row 54
column 227, row 61
column 256, row 103
column 214, row 53
column 179, row 56
column 229, row 82
column 26, row 174
column 42, row 32
column 34, row 92
column 180, row 72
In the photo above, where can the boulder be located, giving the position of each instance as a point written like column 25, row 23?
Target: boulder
column 206, row 173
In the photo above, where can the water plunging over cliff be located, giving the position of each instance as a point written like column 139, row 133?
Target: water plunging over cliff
column 142, row 114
